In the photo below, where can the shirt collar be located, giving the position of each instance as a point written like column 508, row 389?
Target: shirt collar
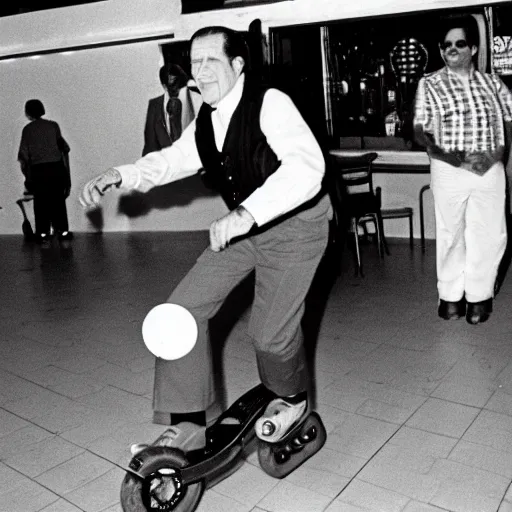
column 228, row 104
column 472, row 72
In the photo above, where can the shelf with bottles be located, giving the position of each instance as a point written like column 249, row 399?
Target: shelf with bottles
column 372, row 71
column 373, row 96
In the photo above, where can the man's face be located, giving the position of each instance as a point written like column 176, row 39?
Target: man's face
column 212, row 70
column 173, row 86
column 455, row 50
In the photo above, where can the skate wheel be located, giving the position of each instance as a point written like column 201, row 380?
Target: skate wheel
column 280, row 459
column 160, row 488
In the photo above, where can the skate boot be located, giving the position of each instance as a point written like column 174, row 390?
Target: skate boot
column 184, row 436
column 280, row 417
column 289, row 435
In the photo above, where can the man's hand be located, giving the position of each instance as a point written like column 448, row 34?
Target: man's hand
column 448, row 157
column 235, row 223
column 95, row 189
column 426, row 139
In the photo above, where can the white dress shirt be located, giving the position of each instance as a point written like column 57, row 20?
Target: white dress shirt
column 297, row 179
column 165, row 113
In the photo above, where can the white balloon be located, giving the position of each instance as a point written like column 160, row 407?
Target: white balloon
column 169, row 331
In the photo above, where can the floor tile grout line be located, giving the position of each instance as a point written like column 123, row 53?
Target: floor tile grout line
column 368, row 461
column 88, row 450
column 403, row 424
column 107, row 385
column 59, row 497
column 482, row 409
column 504, row 495
column 56, row 435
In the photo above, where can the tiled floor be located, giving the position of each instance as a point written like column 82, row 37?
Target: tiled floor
column 418, row 410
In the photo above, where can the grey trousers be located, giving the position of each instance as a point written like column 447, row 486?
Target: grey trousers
column 285, row 258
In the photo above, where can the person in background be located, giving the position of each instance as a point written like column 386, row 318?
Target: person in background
column 268, row 167
column 44, row 159
column 169, row 114
column 463, row 117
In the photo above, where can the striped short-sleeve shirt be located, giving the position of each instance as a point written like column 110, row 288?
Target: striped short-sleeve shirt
column 464, row 117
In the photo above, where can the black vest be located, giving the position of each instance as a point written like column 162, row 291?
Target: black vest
column 246, row 160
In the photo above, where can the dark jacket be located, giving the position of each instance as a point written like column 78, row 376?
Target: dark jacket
column 42, row 144
column 156, row 136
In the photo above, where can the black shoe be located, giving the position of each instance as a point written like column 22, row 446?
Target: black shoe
column 452, row 310
column 479, row 312
column 65, row 235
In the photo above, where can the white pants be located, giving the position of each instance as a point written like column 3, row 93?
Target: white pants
column 471, row 233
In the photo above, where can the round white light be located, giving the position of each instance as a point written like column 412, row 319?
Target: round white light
column 169, row 331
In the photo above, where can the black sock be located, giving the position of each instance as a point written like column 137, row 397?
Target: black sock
column 199, row 418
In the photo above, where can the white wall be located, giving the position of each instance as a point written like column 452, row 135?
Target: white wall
column 400, row 190
column 99, row 95
column 99, row 98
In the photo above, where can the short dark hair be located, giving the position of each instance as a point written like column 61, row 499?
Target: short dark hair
column 466, row 22
column 173, row 75
column 34, row 108
column 235, row 44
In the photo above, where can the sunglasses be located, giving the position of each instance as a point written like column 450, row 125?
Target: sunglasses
column 460, row 44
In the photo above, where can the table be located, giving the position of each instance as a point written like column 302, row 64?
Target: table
column 389, row 160
column 401, row 162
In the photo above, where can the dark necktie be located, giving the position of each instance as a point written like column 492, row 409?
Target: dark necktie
column 174, row 108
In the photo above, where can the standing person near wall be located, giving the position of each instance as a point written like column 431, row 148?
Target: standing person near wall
column 44, row 161
column 464, row 117
column 268, row 168
column 169, row 114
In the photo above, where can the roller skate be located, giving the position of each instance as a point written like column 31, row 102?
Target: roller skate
column 280, row 417
column 172, row 475
column 289, row 435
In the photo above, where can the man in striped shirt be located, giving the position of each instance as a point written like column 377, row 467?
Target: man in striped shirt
column 464, row 119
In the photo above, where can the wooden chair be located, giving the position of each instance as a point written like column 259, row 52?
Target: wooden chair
column 401, row 213
column 356, row 202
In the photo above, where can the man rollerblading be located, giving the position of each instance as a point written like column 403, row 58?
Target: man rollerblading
column 253, row 146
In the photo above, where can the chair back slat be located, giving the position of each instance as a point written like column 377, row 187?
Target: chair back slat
column 354, row 173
